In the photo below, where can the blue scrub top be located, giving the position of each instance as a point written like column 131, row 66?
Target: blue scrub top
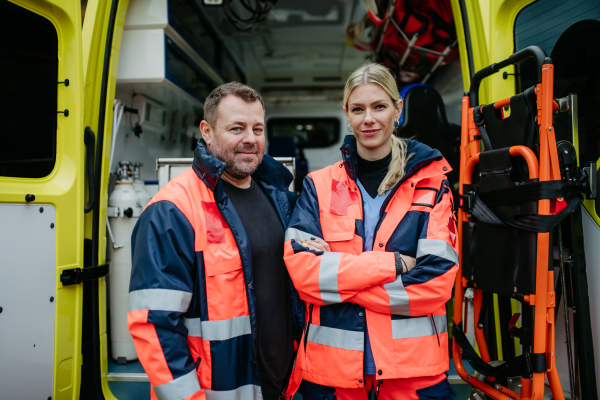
column 371, row 209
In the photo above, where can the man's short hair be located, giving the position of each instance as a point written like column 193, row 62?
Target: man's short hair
column 244, row 92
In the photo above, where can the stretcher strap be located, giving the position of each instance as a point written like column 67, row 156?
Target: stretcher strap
column 535, row 191
column 532, row 223
column 479, row 121
column 519, row 366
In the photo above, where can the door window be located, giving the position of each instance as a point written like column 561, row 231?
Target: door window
column 28, row 82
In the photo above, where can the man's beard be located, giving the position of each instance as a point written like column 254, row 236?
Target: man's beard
column 236, row 168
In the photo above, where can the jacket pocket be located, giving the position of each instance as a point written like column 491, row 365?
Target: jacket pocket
column 337, row 229
column 341, row 236
column 220, row 259
column 440, row 391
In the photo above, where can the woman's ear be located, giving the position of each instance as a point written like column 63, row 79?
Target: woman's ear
column 345, row 112
column 399, row 109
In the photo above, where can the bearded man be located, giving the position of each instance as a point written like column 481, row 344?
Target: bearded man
column 212, row 311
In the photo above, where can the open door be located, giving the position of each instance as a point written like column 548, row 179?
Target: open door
column 41, row 198
column 57, row 82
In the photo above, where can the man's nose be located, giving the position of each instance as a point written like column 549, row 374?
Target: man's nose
column 249, row 136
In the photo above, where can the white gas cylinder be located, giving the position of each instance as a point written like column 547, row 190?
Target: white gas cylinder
column 139, row 186
column 124, row 209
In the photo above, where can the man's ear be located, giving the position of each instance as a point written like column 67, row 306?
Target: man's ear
column 206, row 131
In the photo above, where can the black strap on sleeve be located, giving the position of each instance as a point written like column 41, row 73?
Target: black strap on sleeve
column 532, row 223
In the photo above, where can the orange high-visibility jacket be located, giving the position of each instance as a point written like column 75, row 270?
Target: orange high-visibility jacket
column 192, row 306
column 348, row 289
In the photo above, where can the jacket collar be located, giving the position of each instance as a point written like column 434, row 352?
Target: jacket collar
column 422, row 155
column 209, row 168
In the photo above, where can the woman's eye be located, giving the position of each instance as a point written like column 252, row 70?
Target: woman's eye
column 357, row 109
column 380, row 106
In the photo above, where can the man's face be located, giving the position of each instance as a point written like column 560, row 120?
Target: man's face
column 238, row 136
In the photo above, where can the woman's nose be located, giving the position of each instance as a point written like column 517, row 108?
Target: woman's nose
column 369, row 118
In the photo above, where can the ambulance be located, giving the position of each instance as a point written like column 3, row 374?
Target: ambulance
column 100, row 103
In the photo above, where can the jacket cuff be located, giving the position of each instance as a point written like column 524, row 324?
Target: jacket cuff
column 387, row 266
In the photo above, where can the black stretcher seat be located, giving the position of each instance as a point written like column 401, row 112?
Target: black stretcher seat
column 424, row 119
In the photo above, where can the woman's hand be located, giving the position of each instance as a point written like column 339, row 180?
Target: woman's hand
column 409, row 262
column 316, row 244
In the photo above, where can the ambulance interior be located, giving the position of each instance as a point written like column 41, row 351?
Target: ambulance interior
column 298, row 58
column 298, row 54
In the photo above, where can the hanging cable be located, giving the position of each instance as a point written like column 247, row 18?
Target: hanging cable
column 258, row 10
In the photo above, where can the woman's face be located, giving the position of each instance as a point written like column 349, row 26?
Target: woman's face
column 372, row 113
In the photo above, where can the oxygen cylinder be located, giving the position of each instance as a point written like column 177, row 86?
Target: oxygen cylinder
column 139, row 186
column 123, row 212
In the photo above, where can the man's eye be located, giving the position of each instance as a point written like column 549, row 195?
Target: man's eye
column 236, row 129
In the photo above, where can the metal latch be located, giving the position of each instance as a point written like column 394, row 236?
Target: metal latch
column 466, row 202
column 590, row 168
column 74, row 276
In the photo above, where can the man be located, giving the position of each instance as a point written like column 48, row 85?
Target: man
column 210, row 298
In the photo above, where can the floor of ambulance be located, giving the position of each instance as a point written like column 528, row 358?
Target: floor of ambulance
column 141, row 390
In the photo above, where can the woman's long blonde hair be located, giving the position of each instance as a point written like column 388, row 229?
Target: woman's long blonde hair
column 377, row 73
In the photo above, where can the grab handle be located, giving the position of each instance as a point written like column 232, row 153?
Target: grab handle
column 520, row 56
column 89, row 138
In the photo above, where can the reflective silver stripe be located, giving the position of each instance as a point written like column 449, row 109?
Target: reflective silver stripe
column 179, row 388
column 418, row 327
column 226, row 329
column 328, row 277
column 194, row 327
column 248, row 392
column 297, row 235
column 399, row 302
column 340, row 338
column 218, row 330
column 437, row 247
column 159, row 300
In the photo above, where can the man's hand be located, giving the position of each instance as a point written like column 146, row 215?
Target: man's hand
column 316, row 244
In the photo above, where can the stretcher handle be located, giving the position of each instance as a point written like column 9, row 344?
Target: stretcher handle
column 520, row 56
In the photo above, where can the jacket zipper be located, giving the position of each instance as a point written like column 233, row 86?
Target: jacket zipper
column 197, row 363
column 436, row 331
column 244, row 267
column 310, row 310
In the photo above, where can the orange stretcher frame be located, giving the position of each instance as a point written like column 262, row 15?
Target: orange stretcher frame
column 547, row 169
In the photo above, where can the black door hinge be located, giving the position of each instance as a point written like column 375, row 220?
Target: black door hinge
column 77, row 275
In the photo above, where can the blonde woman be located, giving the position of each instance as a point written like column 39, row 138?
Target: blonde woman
column 371, row 249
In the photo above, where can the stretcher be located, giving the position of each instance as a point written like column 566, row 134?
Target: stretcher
column 516, row 193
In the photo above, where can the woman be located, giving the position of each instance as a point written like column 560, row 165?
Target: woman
column 376, row 317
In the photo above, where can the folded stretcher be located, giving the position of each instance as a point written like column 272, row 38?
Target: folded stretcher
column 513, row 195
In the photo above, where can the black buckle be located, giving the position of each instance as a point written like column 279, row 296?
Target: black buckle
column 466, row 202
column 77, row 275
